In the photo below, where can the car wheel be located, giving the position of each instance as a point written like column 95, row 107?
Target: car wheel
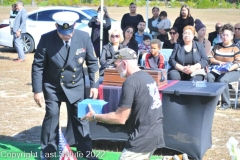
column 28, row 43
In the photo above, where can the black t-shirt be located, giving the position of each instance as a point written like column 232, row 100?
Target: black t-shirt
column 188, row 58
column 180, row 23
column 168, row 45
column 133, row 21
column 144, row 125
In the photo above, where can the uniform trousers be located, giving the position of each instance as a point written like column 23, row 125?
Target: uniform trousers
column 79, row 129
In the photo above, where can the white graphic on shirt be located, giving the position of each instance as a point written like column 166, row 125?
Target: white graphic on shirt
column 153, row 91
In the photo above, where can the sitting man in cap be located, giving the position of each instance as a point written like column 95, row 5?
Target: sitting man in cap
column 143, row 116
column 57, row 76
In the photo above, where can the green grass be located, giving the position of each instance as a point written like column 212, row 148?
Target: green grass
column 10, row 150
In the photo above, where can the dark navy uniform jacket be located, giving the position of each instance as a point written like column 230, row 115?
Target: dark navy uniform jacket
column 60, row 77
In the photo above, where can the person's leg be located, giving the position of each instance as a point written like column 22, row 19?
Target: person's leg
column 174, row 75
column 80, row 129
column 49, row 133
column 128, row 155
column 211, row 76
column 227, row 78
column 18, row 44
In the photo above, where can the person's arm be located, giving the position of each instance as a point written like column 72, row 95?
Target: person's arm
column 23, row 19
column 146, row 61
column 203, row 57
column 119, row 117
column 172, row 59
column 191, row 21
column 38, row 66
column 236, row 61
column 92, row 65
column 123, row 22
column 208, row 47
column 151, row 28
column 92, row 20
column 107, row 25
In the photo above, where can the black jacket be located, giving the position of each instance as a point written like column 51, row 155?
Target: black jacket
column 212, row 36
column 60, row 75
column 199, row 55
column 95, row 35
column 107, row 54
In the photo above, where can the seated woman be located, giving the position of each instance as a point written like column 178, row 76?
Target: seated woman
column 129, row 38
column 222, row 53
column 169, row 44
column 187, row 57
column 155, row 60
column 201, row 32
column 115, row 39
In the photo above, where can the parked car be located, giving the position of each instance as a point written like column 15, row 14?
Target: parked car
column 40, row 21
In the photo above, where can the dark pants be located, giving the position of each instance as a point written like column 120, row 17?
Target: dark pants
column 76, row 129
column 225, row 78
column 178, row 75
column 96, row 46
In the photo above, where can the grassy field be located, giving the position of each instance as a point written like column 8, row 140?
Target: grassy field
column 21, row 119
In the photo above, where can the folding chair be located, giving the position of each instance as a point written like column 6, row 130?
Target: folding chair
column 166, row 54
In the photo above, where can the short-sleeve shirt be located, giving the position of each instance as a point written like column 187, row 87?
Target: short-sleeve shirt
column 144, row 125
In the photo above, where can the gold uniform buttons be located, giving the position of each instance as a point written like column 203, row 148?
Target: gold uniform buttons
column 62, row 69
column 73, row 76
column 62, row 76
column 62, row 83
column 73, row 82
column 74, row 69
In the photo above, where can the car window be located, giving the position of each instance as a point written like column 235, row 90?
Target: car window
column 46, row 15
column 81, row 17
column 90, row 12
column 33, row 17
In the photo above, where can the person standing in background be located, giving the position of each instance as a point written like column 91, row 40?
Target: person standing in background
column 19, row 27
column 163, row 26
column 153, row 22
column 183, row 20
column 132, row 18
column 13, row 14
column 95, row 24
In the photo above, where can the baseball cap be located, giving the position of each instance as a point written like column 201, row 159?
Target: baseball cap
column 65, row 21
column 125, row 54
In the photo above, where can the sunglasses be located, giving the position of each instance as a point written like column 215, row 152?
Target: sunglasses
column 172, row 33
column 116, row 36
column 237, row 28
column 129, row 32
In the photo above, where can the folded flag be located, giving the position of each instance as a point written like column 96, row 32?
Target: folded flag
column 222, row 68
column 65, row 152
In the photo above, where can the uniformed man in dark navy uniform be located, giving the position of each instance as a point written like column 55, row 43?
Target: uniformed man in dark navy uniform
column 57, row 76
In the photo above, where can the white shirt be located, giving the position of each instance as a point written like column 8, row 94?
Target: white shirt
column 154, row 24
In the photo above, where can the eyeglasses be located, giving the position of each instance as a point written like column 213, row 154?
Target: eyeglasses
column 116, row 36
column 129, row 31
column 237, row 28
column 172, row 33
